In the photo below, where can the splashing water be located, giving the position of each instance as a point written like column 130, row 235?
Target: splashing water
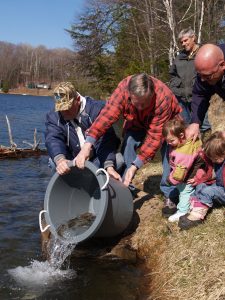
column 39, row 274
column 59, row 251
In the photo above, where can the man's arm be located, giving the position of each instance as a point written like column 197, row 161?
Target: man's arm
column 55, row 139
column 56, row 144
column 107, row 117
column 83, row 155
column 201, row 96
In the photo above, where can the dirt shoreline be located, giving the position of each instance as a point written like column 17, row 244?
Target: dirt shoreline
column 31, row 92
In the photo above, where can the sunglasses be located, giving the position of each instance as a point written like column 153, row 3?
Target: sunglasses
column 59, row 96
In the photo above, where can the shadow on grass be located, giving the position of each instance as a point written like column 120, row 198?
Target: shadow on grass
column 151, row 188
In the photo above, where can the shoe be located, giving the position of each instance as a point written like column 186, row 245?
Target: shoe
column 196, row 216
column 169, row 208
column 185, row 223
column 175, row 217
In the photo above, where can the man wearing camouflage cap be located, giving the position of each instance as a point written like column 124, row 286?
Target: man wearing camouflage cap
column 66, row 130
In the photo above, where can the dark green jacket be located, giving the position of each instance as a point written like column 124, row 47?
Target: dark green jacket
column 183, row 76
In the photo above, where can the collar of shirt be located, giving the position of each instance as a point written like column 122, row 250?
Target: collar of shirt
column 223, row 82
column 82, row 107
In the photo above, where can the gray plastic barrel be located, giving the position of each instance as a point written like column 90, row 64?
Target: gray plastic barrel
column 90, row 190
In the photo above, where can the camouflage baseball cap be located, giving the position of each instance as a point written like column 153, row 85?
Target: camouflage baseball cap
column 64, row 94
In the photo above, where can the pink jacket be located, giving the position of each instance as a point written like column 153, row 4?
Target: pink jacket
column 188, row 161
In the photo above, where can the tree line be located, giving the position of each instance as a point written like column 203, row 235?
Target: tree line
column 24, row 65
column 115, row 38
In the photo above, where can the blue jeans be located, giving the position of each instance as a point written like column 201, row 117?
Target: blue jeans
column 209, row 193
column 132, row 141
column 186, row 111
column 169, row 191
column 186, row 115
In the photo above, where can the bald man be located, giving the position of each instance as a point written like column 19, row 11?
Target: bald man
column 210, row 66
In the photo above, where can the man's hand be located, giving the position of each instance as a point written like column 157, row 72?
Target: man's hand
column 62, row 166
column 83, row 155
column 112, row 173
column 130, row 175
column 193, row 132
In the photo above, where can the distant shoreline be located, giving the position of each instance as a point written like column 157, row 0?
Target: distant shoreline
column 30, row 92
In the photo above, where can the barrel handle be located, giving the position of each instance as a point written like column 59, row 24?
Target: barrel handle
column 40, row 225
column 107, row 177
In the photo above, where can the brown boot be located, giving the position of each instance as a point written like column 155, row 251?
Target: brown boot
column 195, row 217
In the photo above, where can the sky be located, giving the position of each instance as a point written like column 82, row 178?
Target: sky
column 39, row 22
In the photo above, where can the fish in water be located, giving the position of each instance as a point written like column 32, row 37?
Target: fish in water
column 84, row 220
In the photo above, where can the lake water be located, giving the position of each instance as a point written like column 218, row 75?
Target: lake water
column 23, row 273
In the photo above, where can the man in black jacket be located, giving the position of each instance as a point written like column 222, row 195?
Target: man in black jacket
column 66, row 129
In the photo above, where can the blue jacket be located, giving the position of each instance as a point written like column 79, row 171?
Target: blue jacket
column 61, row 137
column 202, row 92
column 220, row 174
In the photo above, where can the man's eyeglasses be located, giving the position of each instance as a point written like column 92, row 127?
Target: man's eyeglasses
column 210, row 76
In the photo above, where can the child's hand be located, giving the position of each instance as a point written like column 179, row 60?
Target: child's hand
column 192, row 181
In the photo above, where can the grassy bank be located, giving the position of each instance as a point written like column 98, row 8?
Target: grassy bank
column 184, row 265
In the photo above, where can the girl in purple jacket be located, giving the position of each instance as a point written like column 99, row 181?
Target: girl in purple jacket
column 205, row 195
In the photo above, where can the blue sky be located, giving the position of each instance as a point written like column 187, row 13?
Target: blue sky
column 39, row 22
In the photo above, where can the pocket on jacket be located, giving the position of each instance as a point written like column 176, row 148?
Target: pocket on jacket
column 175, row 82
column 180, row 173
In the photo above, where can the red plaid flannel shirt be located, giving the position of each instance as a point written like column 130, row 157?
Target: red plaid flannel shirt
column 163, row 107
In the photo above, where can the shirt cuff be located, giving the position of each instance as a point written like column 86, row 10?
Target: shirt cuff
column 108, row 163
column 58, row 157
column 90, row 139
column 195, row 119
column 138, row 162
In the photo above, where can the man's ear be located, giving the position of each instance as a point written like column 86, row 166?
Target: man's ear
column 222, row 64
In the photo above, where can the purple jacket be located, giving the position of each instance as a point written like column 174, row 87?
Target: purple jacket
column 202, row 93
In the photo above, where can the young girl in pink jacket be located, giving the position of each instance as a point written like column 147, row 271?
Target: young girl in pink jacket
column 188, row 164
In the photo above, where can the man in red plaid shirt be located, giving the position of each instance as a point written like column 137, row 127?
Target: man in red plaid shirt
column 146, row 104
